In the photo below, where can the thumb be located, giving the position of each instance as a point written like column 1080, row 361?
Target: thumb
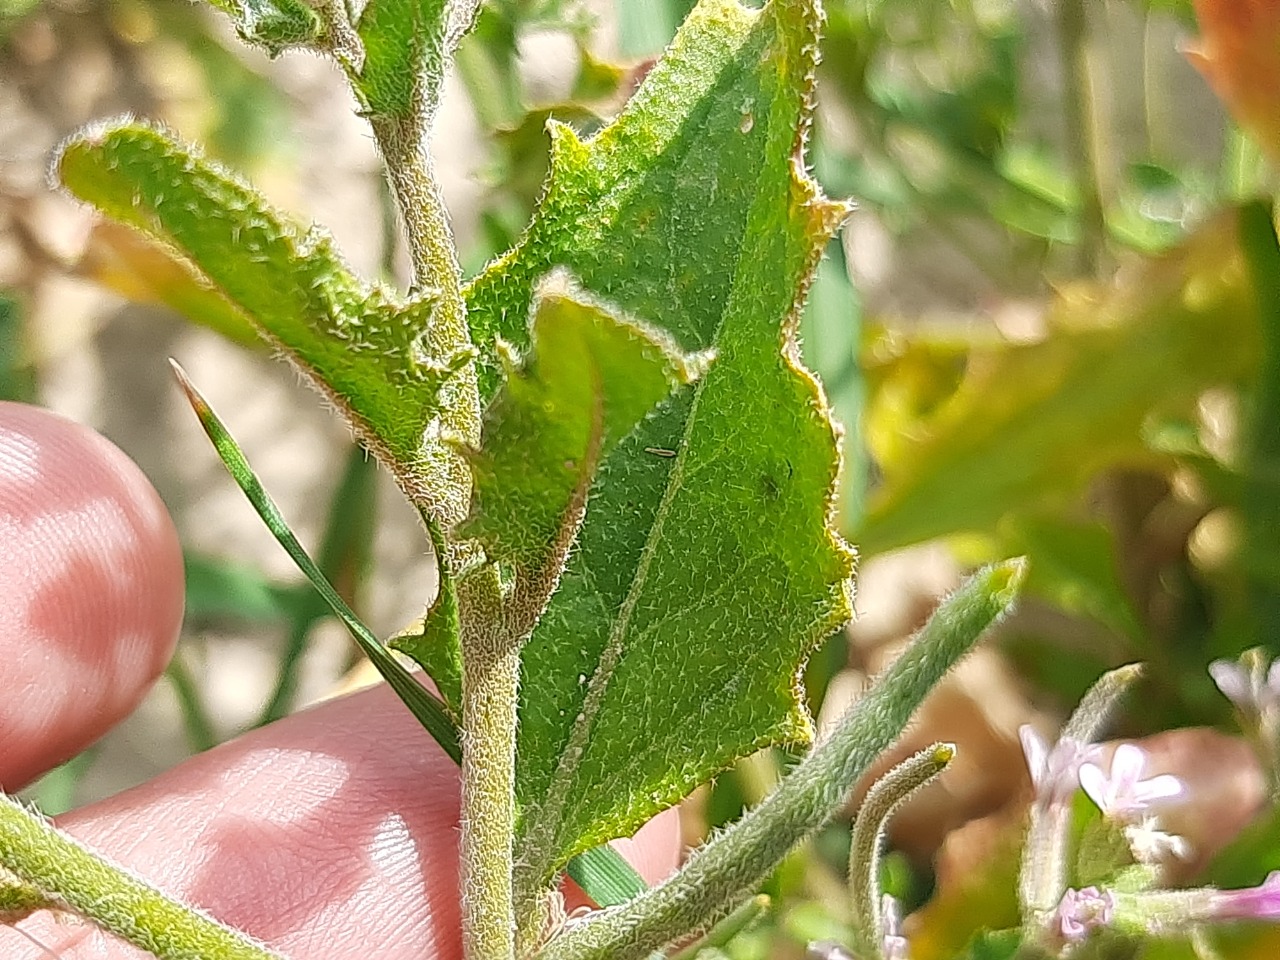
column 91, row 576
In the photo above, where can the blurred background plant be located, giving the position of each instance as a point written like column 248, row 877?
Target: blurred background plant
column 1051, row 327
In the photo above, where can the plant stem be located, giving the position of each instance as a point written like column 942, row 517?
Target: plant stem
column 37, row 854
column 195, row 718
column 1072, row 36
column 490, row 681
column 436, row 274
column 885, row 798
column 490, row 655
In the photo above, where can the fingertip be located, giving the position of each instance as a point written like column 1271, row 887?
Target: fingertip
column 91, row 573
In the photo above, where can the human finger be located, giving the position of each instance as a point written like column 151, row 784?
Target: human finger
column 332, row 834
column 92, row 580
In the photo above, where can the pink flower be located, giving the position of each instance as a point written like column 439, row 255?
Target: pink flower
column 1245, row 685
column 893, row 945
column 1054, row 773
column 1080, row 912
column 1121, row 793
column 1251, row 903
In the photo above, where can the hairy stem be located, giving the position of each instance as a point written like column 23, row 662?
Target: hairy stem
column 83, row 882
column 490, row 681
column 436, row 274
column 886, row 797
column 490, row 658
column 1043, row 875
column 725, row 872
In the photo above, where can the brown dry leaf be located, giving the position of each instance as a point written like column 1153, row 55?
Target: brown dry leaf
column 1239, row 54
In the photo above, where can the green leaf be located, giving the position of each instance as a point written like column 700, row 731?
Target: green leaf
column 432, row 642
column 590, row 378
column 425, row 706
column 1260, row 500
column 404, row 57
column 1029, row 424
column 646, row 26
column 735, row 861
column 371, row 354
column 17, row 377
column 1075, row 567
column 706, row 567
column 218, row 589
column 274, row 25
column 488, row 63
column 608, row 879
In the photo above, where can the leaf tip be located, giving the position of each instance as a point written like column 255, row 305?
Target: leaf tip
column 1005, row 580
column 90, row 135
column 184, row 381
column 1129, row 673
column 204, row 413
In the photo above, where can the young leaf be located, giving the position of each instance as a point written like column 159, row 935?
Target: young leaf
column 376, row 358
column 274, row 25
column 432, row 642
column 407, row 44
column 590, row 379
column 706, row 568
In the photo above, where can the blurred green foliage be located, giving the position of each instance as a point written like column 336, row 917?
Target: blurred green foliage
column 1125, row 437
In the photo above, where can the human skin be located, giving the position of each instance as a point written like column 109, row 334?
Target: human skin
column 330, row 835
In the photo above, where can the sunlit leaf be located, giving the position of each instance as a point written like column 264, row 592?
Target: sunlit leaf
column 406, row 48
column 274, row 25
column 1029, row 424
column 592, row 376
column 371, row 354
column 707, row 538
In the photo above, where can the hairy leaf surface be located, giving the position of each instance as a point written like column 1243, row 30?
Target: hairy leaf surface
column 404, row 56
column 591, row 378
column 274, row 25
column 369, row 352
column 706, row 569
